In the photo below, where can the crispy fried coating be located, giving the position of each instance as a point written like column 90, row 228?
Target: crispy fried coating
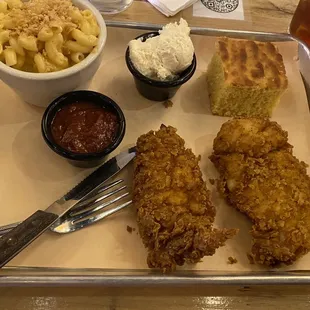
column 253, row 137
column 271, row 187
column 175, row 214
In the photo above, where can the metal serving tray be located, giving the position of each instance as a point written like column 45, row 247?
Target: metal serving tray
column 13, row 276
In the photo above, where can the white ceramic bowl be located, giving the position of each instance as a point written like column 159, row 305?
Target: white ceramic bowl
column 41, row 88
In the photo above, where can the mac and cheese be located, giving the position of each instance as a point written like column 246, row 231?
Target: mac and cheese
column 45, row 35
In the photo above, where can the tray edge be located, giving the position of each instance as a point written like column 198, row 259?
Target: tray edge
column 101, row 277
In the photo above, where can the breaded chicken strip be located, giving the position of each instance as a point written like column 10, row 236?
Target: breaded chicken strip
column 273, row 190
column 254, row 137
column 175, row 214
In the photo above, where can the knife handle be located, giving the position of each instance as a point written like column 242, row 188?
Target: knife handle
column 22, row 235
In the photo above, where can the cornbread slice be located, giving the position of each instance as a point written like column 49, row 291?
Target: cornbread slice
column 245, row 78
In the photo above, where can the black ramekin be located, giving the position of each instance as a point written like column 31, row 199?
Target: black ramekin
column 77, row 159
column 153, row 89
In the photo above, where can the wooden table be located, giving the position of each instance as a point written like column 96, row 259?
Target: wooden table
column 260, row 15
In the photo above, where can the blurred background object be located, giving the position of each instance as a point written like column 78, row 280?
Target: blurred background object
column 171, row 7
column 300, row 29
column 111, row 6
column 285, row 6
column 300, row 25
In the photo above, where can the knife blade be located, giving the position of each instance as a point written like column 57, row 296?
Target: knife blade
column 30, row 229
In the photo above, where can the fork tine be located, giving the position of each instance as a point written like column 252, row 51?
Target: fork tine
column 95, row 197
column 99, row 198
column 88, row 221
column 94, row 208
column 105, row 187
column 87, row 207
column 82, row 208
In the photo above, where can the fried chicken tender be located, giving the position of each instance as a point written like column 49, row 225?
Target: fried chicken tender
column 175, row 214
column 261, row 178
column 254, row 137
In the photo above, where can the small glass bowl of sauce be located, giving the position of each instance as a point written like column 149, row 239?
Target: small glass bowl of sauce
column 83, row 127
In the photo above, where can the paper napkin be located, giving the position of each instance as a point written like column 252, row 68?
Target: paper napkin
column 223, row 9
column 171, row 7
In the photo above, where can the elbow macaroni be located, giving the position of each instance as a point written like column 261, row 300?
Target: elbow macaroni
column 29, row 43
column 55, row 27
column 14, row 4
column 84, row 39
column 45, row 34
column 40, row 62
column 16, row 46
column 20, row 61
column 75, row 47
column 3, row 7
column 77, row 57
column 53, row 51
column 55, row 46
column 10, row 56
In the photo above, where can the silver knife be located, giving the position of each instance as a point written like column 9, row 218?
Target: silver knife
column 27, row 231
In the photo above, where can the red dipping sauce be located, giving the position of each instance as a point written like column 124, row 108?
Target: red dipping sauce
column 84, row 127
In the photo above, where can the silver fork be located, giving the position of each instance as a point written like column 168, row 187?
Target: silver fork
column 87, row 212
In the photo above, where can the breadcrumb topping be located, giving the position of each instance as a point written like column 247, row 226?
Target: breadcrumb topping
column 34, row 15
column 232, row 260
column 168, row 104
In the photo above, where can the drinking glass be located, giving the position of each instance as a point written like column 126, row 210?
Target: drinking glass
column 300, row 24
column 111, row 6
